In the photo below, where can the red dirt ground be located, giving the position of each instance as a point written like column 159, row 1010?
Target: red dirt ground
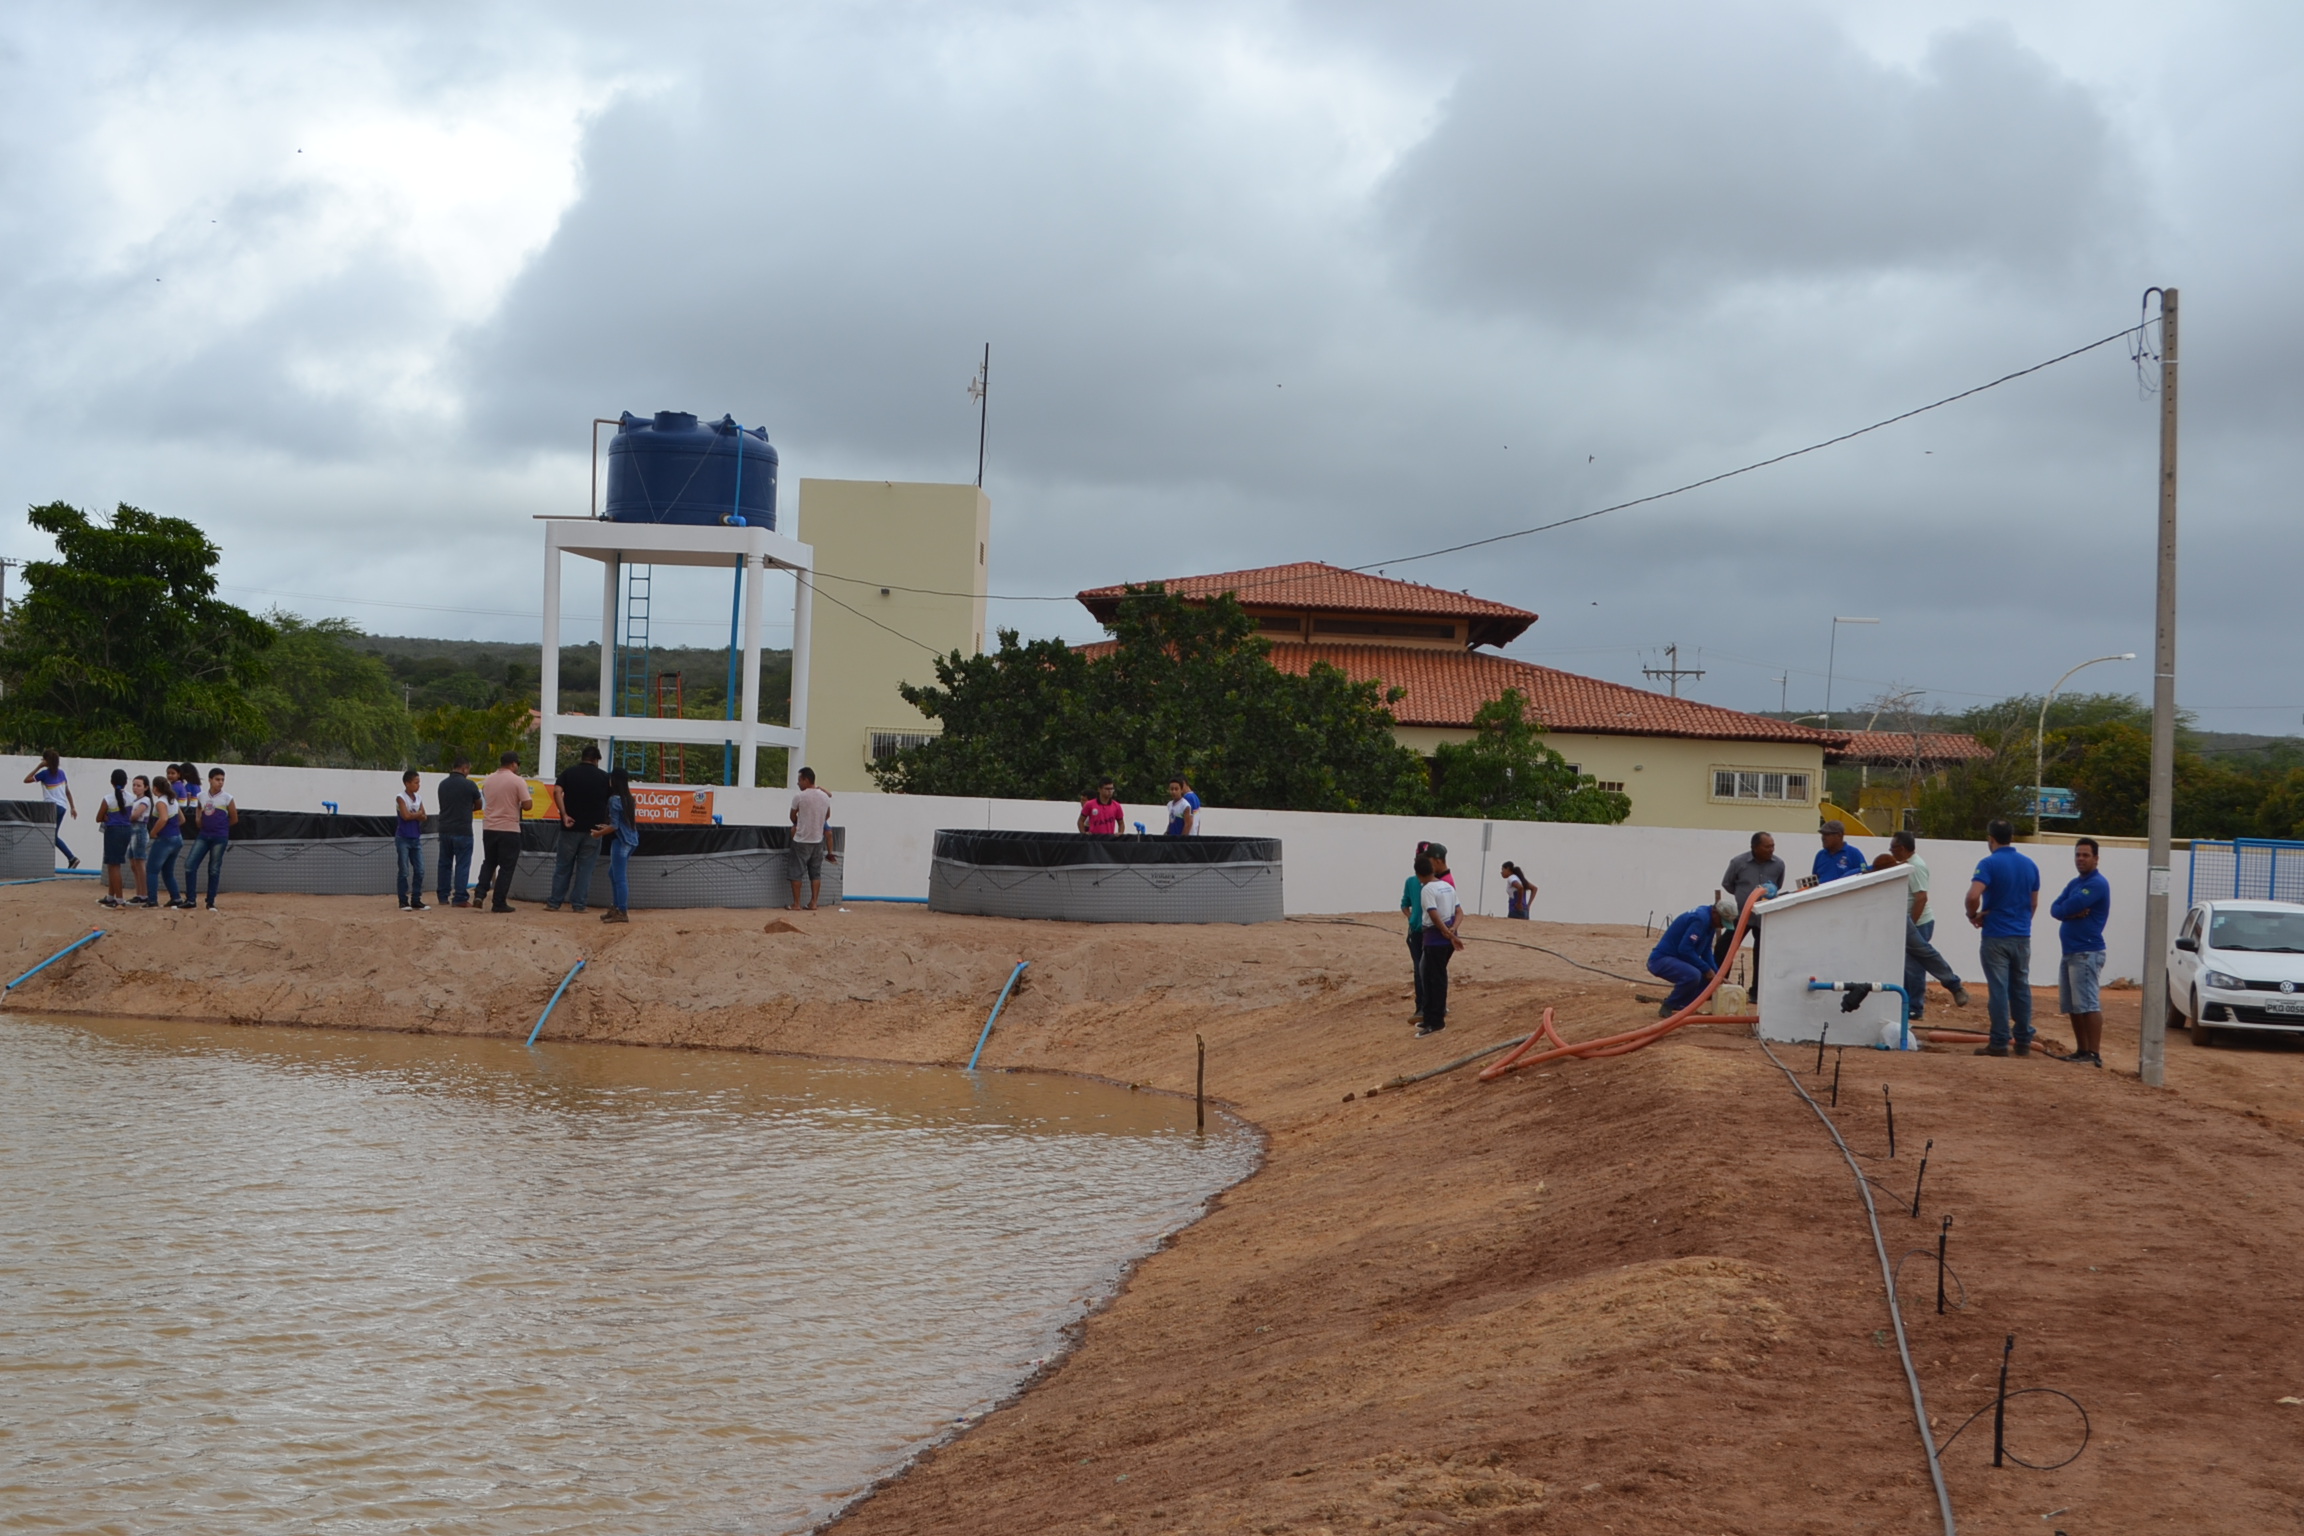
column 1627, row 1296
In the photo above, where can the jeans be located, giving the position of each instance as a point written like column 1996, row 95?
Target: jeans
column 61, row 846
column 1416, row 967
column 1921, row 961
column 211, row 851
column 499, row 862
column 1686, row 977
column 409, row 853
column 1435, row 968
column 2008, row 973
column 619, row 888
column 455, row 864
column 159, row 865
column 573, row 858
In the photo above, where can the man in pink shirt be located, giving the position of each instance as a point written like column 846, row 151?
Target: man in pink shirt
column 1103, row 816
column 503, row 796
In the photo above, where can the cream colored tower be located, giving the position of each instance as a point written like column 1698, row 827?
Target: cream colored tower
column 900, row 573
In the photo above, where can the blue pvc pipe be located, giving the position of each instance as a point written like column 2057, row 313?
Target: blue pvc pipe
column 920, row 901
column 996, row 1007
column 1903, row 1007
column 92, row 938
column 548, row 1007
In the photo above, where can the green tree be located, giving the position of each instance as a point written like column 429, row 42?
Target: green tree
column 1188, row 688
column 326, row 704
column 121, row 648
column 1507, row 773
column 482, row 735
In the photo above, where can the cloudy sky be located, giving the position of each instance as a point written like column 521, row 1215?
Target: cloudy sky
column 345, row 285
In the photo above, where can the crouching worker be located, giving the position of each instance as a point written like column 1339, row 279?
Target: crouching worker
column 1683, row 957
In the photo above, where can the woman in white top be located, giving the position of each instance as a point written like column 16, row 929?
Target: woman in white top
column 139, row 836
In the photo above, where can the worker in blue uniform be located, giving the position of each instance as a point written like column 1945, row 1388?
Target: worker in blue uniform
column 1683, row 957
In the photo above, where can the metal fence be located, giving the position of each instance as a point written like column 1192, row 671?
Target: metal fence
column 2246, row 869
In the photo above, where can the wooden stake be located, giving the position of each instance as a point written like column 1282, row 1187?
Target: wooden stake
column 1200, row 1087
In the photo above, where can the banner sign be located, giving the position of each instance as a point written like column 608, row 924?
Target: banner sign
column 672, row 805
column 2054, row 804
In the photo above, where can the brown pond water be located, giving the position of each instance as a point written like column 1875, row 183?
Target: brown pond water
column 260, row 1280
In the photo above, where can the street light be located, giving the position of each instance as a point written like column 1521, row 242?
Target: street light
column 1831, row 658
column 2040, row 735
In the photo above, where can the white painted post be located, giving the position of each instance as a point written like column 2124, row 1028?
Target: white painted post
column 548, row 659
column 803, row 617
column 748, row 730
column 611, row 581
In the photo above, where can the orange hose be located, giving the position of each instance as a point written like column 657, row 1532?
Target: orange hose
column 1632, row 1039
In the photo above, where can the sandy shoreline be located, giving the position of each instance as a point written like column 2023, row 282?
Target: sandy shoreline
column 1630, row 1295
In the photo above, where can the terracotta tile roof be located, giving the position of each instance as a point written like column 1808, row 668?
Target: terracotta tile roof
column 1888, row 748
column 1314, row 587
column 1445, row 687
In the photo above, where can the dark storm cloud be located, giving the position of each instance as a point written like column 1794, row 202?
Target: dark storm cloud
column 1634, row 155
column 1262, row 283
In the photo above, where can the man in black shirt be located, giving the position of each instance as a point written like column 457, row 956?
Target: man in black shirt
column 580, row 799
column 459, row 801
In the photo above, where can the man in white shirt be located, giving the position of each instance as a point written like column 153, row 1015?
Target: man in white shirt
column 811, row 815
column 1441, row 913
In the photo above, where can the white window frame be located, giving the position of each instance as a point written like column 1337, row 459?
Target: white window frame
column 1760, row 786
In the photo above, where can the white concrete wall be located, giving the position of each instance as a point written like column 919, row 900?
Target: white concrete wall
column 1332, row 863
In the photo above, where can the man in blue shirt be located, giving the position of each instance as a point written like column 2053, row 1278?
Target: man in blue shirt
column 2082, row 909
column 2002, row 896
column 1836, row 860
column 1683, row 957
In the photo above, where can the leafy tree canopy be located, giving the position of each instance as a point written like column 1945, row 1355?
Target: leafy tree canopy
column 1507, row 773
column 324, row 703
column 2100, row 747
column 121, row 648
column 1189, row 688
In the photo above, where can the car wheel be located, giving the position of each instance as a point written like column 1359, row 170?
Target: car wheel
column 2201, row 1033
column 2176, row 1019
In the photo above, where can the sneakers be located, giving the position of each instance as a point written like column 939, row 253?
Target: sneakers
column 1665, row 1010
column 576, row 907
column 1416, row 1018
column 2083, row 1058
column 418, row 906
column 551, row 906
column 110, row 901
column 504, row 909
column 2023, row 1048
column 460, row 901
column 1991, row 1050
column 1959, row 995
column 614, row 915
column 1426, row 1031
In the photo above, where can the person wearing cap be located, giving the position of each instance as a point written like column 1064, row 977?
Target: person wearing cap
column 1836, row 860
column 1683, row 956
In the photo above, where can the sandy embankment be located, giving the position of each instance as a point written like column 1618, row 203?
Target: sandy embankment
column 1635, row 1295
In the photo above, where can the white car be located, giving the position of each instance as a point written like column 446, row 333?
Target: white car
column 2238, row 965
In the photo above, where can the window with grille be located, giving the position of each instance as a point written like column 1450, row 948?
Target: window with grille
column 1614, row 786
column 882, row 745
column 1759, row 784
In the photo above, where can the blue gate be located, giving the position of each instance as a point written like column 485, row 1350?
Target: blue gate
column 2246, row 869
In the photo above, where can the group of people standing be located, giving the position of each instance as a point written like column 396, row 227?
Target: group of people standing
column 1102, row 814
column 147, row 821
column 2002, row 899
column 593, row 806
column 1435, row 918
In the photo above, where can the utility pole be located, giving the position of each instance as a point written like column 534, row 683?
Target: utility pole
column 980, row 391
column 1675, row 671
column 2152, row 1041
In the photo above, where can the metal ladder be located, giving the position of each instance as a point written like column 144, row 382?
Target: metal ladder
column 632, row 665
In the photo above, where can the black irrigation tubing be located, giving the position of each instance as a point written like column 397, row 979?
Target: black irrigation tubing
column 1353, row 922
column 2087, row 1429
column 1950, row 1274
column 1887, row 1278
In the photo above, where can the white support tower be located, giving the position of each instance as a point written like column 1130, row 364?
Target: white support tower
column 614, row 544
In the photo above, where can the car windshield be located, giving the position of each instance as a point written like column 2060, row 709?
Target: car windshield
column 2269, row 932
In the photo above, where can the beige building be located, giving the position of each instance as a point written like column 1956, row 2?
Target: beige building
column 900, row 580
column 1683, row 764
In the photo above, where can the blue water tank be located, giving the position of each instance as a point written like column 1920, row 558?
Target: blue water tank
column 670, row 468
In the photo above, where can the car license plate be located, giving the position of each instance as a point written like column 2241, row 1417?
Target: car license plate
column 2289, row 1007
